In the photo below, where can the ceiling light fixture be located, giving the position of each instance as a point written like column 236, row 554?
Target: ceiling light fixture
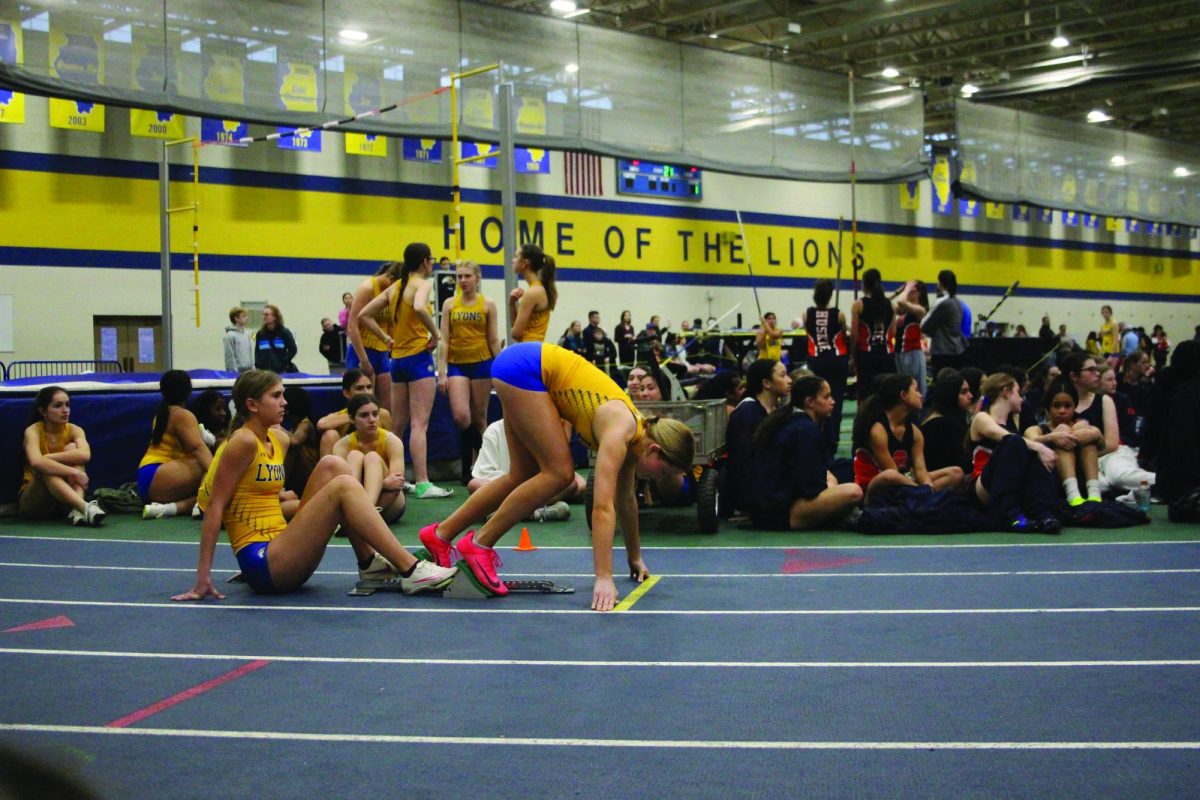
column 579, row 12
column 890, row 72
column 1118, row 160
column 1096, row 115
column 968, row 89
column 562, row 6
column 1182, row 172
column 351, row 35
column 1060, row 41
column 572, row 68
column 714, row 36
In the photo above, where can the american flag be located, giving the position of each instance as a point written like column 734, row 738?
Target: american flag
column 582, row 171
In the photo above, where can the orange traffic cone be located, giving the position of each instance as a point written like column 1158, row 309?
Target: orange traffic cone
column 525, row 543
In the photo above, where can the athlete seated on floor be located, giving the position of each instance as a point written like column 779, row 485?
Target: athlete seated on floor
column 889, row 448
column 336, row 424
column 241, row 490
column 177, row 457
column 54, row 452
column 537, row 382
column 375, row 457
column 493, row 462
column 790, row 485
column 1073, row 440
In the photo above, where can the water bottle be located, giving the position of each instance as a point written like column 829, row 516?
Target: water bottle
column 1142, row 496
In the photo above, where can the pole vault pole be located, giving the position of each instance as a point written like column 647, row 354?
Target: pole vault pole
column 749, row 266
column 853, row 193
column 837, row 297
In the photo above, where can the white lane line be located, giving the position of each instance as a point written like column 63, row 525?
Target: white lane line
column 475, row 609
column 756, row 575
column 705, row 548
column 526, row 662
column 543, row 741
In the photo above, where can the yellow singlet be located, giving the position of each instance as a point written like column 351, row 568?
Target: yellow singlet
column 383, row 317
column 167, row 449
column 539, row 322
column 409, row 335
column 772, row 348
column 468, row 331
column 253, row 513
column 44, row 448
column 380, row 443
column 577, row 389
column 1108, row 338
column 385, row 421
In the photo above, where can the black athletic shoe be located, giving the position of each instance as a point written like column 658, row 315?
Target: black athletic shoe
column 1049, row 525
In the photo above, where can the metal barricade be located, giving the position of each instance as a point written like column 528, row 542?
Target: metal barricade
column 37, row 369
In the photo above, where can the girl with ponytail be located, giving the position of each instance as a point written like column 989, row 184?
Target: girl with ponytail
column 872, row 329
column 530, row 308
column 177, row 458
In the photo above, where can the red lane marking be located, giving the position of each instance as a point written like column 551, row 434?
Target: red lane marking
column 46, row 624
column 809, row 561
column 187, row 694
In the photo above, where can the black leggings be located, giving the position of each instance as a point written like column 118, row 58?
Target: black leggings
column 834, row 369
column 1017, row 482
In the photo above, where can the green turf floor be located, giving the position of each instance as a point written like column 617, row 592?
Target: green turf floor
column 659, row 527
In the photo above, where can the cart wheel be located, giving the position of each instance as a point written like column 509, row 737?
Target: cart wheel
column 707, row 500
column 587, row 499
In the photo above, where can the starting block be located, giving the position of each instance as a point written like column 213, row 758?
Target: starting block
column 463, row 587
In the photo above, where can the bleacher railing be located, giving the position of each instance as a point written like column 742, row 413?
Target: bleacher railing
column 36, row 369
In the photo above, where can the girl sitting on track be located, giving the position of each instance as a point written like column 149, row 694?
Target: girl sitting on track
column 177, row 458
column 376, row 457
column 1074, row 442
column 530, row 308
column 241, row 490
column 790, row 487
column 471, row 338
column 212, row 415
column 945, row 426
column 413, row 339
column 889, row 448
column 334, row 425
column 540, row 382
column 54, row 452
column 1004, row 479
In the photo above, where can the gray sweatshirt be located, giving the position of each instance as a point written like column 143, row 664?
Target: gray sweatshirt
column 239, row 349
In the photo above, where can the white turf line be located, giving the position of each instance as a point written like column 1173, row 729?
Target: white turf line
column 790, row 575
column 525, row 662
column 522, row 741
column 698, row 548
column 465, row 609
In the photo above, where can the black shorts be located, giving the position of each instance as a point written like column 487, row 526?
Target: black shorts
column 775, row 518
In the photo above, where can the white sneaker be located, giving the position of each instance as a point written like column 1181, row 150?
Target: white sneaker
column 154, row 510
column 94, row 514
column 427, row 577
column 410, row 488
column 380, row 569
column 196, row 512
column 76, row 518
column 555, row 512
column 433, row 492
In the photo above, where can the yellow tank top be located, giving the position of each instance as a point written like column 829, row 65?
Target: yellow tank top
column 167, row 449
column 68, row 433
column 1108, row 337
column 383, row 317
column 577, row 389
column 385, row 421
column 772, row 348
column 468, row 331
column 539, row 322
column 380, row 443
column 253, row 513
column 409, row 335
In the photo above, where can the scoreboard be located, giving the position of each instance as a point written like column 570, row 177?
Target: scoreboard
column 656, row 179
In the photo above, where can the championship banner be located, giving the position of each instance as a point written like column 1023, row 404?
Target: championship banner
column 1133, row 226
column 531, row 160
column 910, row 195
column 296, row 83
column 362, row 89
column 1020, row 213
column 310, row 141
column 470, row 149
column 966, row 207
column 1070, row 188
column 994, row 210
column 1070, row 219
column 224, row 131
column 77, row 55
column 1112, row 224
column 943, row 203
column 479, row 109
column 1091, row 221
column 1045, row 215
column 155, row 124
column 531, row 116
column 221, row 72
column 366, row 144
column 12, row 104
column 427, row 150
